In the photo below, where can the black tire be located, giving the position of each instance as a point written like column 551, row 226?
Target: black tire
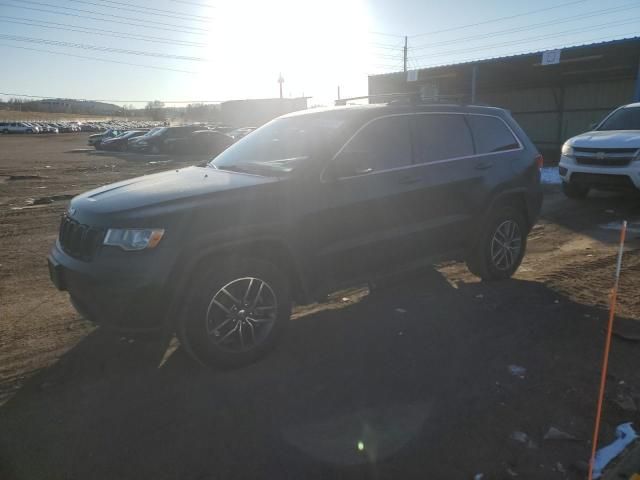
column 204, row 320
column 572, row 190
column 5, row 131
column 483, row 261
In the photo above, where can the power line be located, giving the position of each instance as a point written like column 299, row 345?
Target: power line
column 528, row 27
column 624, row 36
column 493, row 20
column 98, row 31
column 94, row 58
column 103, row 20
column 195, row 3
column 528, row 39
column 386, row 34
column 103, row 100
column 44, row 41
column 145, row 11
column 31, row 2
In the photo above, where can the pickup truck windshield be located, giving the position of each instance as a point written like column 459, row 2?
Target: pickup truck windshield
column 623, row 119
column 281, row 145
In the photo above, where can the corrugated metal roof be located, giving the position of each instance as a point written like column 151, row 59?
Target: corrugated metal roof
column 517, row 55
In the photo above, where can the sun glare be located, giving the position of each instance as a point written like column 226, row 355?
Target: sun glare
column 316, row 45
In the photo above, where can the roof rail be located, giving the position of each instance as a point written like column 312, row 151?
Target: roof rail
column 407, row 98
column 379, row 96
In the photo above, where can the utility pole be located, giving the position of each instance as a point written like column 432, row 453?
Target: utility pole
column 280, row 81
column 338, row 92
column 405, row 55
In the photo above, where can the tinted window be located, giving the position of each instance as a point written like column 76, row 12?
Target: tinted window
column 622, row 119
column 491, row 134
column 381, row 145
column 439, row 137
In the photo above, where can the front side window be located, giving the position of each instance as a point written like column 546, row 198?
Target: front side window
column 440, row 137
column 491, row 135
column 622, row 119
column 283, row 145
column 381, row 145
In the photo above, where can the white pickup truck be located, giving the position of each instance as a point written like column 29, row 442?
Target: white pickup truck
column 606, row 158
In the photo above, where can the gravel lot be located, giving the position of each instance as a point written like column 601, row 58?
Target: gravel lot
column 412, row 380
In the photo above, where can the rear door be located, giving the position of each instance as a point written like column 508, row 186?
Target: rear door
column 447, row 179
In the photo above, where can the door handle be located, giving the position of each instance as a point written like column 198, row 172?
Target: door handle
column 408, row 180
column 483, row 165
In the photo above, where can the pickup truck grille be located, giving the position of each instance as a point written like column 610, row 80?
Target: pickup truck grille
column 78, row 240
column 604, row 157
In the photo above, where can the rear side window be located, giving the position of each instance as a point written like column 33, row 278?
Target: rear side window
column 383, row 144
column 440, row 137
column 491, row 134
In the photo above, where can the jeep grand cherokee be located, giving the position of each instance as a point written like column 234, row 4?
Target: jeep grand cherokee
column 309, row 202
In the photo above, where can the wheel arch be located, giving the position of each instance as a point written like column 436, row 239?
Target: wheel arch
column 515, row 198
column 272, row 250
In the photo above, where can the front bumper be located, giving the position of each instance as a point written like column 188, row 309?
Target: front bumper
column 605, row 177
column 123, row 292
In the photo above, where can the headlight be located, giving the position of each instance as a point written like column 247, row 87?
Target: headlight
column 133, row 239
column 567, row 150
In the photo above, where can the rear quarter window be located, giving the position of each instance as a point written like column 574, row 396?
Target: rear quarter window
column 491, row 134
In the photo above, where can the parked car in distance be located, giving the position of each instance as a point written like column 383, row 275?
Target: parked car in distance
column 17, row 127
column 238, row 133
column 95, row 139
column 308, row 203
column 120, row 143
column 605, row 158
column 207, row 142
column 160, row 141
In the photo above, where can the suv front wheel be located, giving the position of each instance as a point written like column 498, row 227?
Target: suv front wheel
column 501, row 246
column 237, row 312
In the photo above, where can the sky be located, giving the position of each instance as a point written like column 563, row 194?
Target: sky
column 215, row 50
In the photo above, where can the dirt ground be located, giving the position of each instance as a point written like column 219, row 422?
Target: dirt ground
column 415, row 379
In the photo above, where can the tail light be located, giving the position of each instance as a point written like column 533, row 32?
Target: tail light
column 539, row 161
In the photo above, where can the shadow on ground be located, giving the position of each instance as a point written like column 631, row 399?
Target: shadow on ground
column 410, row 382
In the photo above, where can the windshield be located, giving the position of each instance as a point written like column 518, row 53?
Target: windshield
column 622, row 119
column 279, row 146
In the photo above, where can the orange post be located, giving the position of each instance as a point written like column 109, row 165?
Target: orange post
column 607, row 348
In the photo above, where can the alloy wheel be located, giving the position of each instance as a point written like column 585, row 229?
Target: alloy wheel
column 506, row 245
column 241, row 314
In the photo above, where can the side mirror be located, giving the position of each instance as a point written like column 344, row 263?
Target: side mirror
column 593, row 125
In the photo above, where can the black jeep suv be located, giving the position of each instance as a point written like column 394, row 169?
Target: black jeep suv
column 310, row 202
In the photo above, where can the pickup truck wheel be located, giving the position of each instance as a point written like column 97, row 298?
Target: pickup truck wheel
column 572, row 190
column 238, row 311
column 501, row 246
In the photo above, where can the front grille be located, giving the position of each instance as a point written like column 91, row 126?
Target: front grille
column 602, row 180
column 78, row 240
column 604, row 157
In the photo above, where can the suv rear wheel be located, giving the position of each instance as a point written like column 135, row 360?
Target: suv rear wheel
column 236, row 314
column 501, row 246
column 573, row 190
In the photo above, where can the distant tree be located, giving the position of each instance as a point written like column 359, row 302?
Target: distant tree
column 155, row 110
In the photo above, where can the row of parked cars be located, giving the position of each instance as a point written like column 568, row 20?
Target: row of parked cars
column 38, row 127
column 70, row 127
column 186, row 139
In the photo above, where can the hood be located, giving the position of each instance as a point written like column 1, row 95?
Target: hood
column 607, row 139
column 161, row 188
